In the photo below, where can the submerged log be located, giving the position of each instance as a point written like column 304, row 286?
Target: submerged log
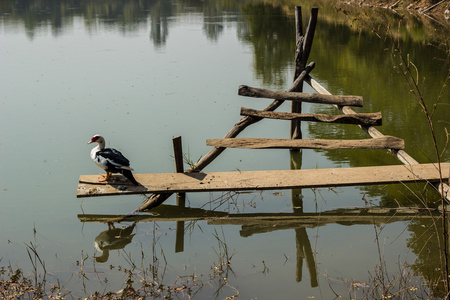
column 366, row 119
column 245, row 90
column 386, row 142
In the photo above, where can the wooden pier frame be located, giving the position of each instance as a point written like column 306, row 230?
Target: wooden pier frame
column 301, row 74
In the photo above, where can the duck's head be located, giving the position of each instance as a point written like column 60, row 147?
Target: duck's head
column 97, row 139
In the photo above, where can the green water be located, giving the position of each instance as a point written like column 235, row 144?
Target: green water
column 140, row 72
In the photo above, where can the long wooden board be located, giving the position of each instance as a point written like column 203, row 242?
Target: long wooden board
column 386, row 142
column 259, row 180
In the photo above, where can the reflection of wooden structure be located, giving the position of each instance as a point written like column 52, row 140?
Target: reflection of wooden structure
column 260, row 223
column 255, row 223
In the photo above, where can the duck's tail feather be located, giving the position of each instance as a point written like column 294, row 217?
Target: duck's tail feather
column 129, row 175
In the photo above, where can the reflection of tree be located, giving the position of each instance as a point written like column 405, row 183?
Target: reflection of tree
column 159, row 18
column 127, row 15
column 273, row 42
column 425, row 245
column 213, row 22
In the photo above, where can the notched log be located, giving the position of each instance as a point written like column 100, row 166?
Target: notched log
column 245, row 90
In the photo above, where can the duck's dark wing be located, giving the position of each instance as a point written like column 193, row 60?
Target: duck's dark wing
column 114, row 158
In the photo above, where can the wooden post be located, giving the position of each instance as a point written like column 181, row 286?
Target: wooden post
column 296, row 107
column 304, row 44
column 181, row 197
column 178, row 154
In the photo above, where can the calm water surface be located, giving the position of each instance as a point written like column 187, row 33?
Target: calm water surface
column 140, row 72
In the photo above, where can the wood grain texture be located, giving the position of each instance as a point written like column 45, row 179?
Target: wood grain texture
column 258, row 180
column 245, row 90
column 366, row 119
column 386, row 142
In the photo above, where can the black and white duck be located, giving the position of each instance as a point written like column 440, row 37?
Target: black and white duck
column 110, row 160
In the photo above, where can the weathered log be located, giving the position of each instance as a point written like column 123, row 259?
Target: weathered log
column 304, row 97
column 366, row 119
column 386, row 142
column 309, row 35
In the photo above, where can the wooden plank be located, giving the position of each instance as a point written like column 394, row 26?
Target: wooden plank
column 245, row 90
column 366, row 119
column 258, row 180
column 386, row 142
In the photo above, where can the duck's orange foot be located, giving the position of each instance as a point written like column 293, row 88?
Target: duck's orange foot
column 104, row 177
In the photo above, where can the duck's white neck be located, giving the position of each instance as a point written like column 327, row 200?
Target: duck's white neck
column 100, row 146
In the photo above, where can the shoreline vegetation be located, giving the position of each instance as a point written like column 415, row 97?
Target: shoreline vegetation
column 438, row 9
column 425, row 21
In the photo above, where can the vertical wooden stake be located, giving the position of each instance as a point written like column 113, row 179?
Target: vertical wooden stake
column 181, row 197
column 303, row 49
column 296, row 107
column 178, row 154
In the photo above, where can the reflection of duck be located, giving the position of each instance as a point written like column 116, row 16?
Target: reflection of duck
column 110, row 160
column 112, row 239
